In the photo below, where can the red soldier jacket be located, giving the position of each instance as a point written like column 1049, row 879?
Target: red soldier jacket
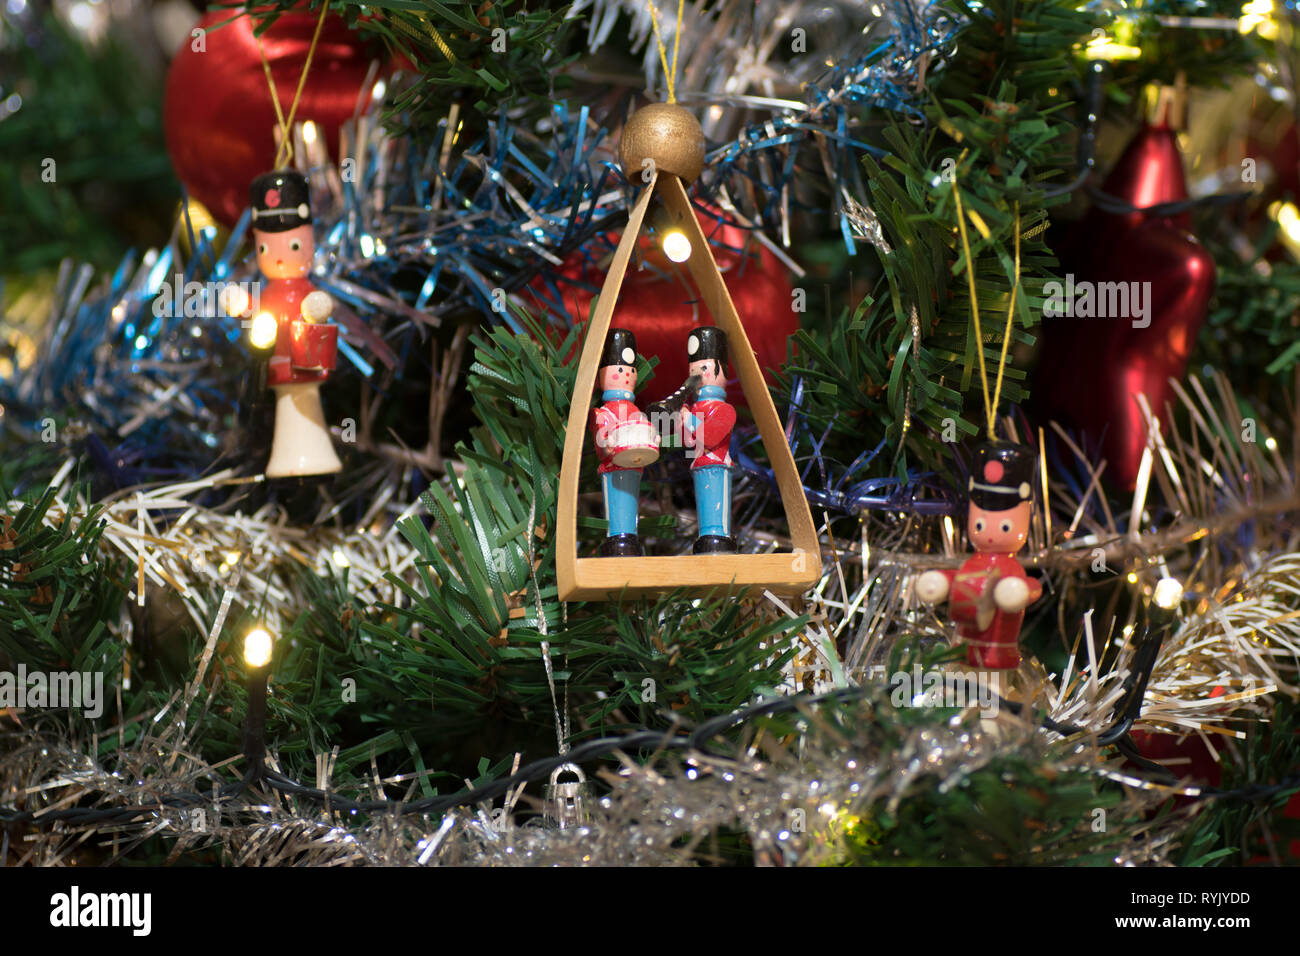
column 294, row 336
column 998, row 645
column 604, row 419
column 710, row 438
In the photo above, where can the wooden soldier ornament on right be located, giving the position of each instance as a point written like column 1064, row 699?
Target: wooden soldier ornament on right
column 988, row 594
column 707, row 425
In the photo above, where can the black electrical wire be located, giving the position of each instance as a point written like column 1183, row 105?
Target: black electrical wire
column 1120, row 207
column 1086, row 158
column 176, row 801
column 675, row 740
column 1087, row 151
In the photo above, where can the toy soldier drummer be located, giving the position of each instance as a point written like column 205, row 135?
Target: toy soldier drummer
column 625, row 441
column 988, row 594
column 707, row 424
column 293, row 320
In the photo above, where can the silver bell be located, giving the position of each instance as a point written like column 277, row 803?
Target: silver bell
column 565, row 805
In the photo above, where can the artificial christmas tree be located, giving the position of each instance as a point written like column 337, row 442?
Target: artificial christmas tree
column 438, row 682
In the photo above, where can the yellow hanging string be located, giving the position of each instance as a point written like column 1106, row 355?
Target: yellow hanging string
column 270, row 82
column 677, row 39
column 430, row 32
column 974, row 303
column 1011, row 313
column 670, row 75
column 285, row 152
column 302, row 82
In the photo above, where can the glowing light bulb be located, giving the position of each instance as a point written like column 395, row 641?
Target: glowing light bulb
column 1169, row 591
column 1257, row 15
column 1102, row 47
column 1287, row 216
column 257, row 647
column 263, row 331
column 676, row 246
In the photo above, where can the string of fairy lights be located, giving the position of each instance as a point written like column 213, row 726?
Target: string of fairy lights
column 1162, row 617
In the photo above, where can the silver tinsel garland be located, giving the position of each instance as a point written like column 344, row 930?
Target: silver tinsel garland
column 796, row 806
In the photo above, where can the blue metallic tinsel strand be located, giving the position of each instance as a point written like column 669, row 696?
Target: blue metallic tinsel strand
column 405, row 243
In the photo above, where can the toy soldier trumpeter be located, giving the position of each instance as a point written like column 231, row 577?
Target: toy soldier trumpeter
column 625, row 442
column 707, row 423
column 293, row 321
column 988, row 594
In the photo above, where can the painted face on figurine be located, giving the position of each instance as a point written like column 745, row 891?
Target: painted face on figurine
column 710, row 371
column 617, row 377
column 285, row 255
column 1000, row 532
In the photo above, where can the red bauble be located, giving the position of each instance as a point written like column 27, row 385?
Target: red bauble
column 1188, row 757
column 1149, row 172
column 659, row 303
column 217, row 111
column 1091, row 368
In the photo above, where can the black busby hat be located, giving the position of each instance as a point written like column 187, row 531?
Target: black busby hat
column 281, row 201
column 707, row 342
column 1002, row 476
column 620, row 349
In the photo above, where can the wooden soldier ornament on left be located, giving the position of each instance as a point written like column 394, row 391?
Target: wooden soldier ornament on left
column 625, row 441
column 988, row 594
column 292, row 321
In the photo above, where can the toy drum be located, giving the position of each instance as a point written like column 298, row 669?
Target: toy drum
column 314, row 346
column 970, row 601
column 634, row 444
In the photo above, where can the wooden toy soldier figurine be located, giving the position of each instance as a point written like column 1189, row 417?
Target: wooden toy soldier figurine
column 988, row 595
column 706, row 434
column 293, row 321
column 625, row 442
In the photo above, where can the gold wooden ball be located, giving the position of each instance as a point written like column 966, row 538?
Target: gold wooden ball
column 669, row 135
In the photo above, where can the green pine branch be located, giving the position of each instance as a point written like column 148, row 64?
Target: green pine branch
column 903, row 367
column 1243, row 832
column 59, row 591
column 487, row 53
column 83, row 169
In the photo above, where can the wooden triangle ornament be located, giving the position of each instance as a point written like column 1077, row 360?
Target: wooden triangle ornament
column 609, row 578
